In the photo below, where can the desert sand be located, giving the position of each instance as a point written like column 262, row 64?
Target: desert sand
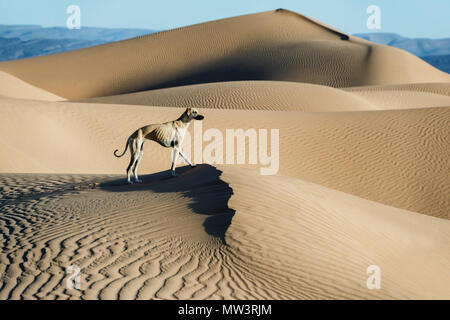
column 13, row 87
column 363, row 179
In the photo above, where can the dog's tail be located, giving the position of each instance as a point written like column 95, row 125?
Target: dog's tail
column 126, row 148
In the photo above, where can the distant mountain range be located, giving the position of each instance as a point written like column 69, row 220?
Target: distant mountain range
column 441, row 62
column 32, row 32
column 421, row 47
column 25, row 41
column 434, row 51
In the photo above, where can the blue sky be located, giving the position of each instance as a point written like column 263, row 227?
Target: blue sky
column 412, row 18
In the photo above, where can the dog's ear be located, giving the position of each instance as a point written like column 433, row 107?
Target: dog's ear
column 188, row 111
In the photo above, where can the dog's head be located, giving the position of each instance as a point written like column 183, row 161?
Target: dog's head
column 192, row 113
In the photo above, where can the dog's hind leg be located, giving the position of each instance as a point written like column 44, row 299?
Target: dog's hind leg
column 134, row 155
column 174, row 160
column 138, row 160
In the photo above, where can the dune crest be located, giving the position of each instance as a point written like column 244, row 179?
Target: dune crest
column 274, row 45
column 208, row 235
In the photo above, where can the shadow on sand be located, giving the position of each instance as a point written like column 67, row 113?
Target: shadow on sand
column 202, row 184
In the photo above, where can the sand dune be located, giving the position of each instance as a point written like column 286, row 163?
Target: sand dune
column 289, row 96
column 363, row 174
column 13, row 87
column 318, row 242
column 397, row 157
column 422, row 95
column 172, row 239
column 247, row 95
column 275, row 45
column 442, row 88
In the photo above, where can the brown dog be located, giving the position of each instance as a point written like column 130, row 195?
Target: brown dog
column 168, row 134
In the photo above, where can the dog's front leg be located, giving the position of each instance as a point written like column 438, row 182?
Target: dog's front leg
column 174, row 160
column 185, row 158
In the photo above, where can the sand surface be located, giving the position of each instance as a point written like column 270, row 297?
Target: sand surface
column 281, row 46
column 288, row 96
column 13, row 87
column 363, row 176
column 191, row 238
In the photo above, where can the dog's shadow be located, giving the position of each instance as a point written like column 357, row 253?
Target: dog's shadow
column 202, row 184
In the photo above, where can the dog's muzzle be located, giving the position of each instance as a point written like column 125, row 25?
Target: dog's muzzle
column 199, row 117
